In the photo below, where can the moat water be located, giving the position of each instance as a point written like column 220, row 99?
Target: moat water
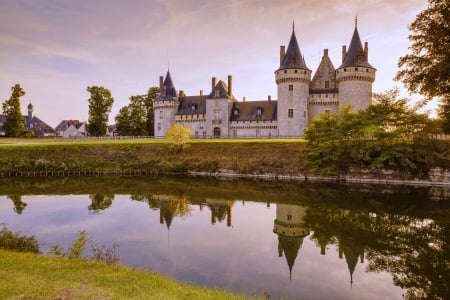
column 288, row 240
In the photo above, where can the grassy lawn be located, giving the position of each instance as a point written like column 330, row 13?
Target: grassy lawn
column 29, row 276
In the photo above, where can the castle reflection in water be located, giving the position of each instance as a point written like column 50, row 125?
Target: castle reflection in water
column 290, row 227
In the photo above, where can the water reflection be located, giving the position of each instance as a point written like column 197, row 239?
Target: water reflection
column 325, row 242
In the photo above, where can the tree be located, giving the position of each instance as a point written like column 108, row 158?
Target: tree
column 427, row 69
column 178, row 135
column 386, row 135
column 123, row 122
column 14, row 125
column 151, row 95
column 444, row 114
column 137, row 117
column 100, row 104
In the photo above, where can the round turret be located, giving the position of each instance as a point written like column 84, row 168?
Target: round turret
column 293, row 79
column 355, row 76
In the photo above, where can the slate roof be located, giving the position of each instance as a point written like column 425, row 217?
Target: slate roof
column 169, row 89
column 355, row 56
column 39, row 127
column 192, row 105
column 293, row 59
column 64, row 124
column 248, row 111
column 325, row 72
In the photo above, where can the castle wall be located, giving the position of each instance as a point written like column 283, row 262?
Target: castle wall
column 355, row 86
column 164, row 117
column 217, row 116
column 252, row 129
column 197, row 124
column 320, row 103
column 292, row 102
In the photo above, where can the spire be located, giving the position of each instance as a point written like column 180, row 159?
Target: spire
column 169, row 86
column 293, row 59
column 356, row 55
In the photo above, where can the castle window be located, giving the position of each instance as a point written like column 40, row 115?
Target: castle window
column 327, row 84
column 194, row 106
column 236, row 112
column 356, row 69
column 201, row 125
column 285, row 71
column 345, row 70
column 289, row 217
column 216, row 93
column 295, row 71
column 159, row 126
column 367, row 70
column 290, row 113
column 234, row 132
column 304, row 114
column 291, row 87
column 259, row 112
column 160, row 114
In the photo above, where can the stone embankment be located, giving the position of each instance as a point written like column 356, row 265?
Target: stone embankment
column 437, row 177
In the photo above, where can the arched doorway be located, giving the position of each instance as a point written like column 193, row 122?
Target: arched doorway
column 216, row 132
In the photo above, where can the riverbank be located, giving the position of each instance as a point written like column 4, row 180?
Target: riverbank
column 31, row 276
column 271, row 159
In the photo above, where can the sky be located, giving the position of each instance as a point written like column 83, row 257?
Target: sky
column 55, row 49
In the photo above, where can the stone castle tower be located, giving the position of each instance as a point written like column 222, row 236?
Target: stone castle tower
column 355, row 76
column 164, row 106
column 293, row 79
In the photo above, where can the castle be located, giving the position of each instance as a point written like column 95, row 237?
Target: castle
column 219, row 114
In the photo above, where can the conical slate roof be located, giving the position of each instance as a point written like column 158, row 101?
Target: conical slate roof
column 293, row 59
column 355, row 55
column 169, row 86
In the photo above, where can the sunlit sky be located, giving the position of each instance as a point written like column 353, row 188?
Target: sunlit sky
column 56, row 48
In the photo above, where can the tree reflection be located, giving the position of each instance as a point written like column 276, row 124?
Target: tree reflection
column 415, row 251
column 100, row 202
column 19, row 205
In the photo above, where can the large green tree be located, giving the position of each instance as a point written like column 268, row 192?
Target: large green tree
column 387, row 135
column 14, row 125
column 427, row 69
column 100, row 104
column 137, row 117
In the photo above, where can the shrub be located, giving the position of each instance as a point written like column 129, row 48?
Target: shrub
column 16, row 242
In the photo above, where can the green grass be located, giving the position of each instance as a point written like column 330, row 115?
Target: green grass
column 30, row 276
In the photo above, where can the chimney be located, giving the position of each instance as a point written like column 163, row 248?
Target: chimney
column 213, row 83
column 161, row 83
column 366, row 50
column 344, row 52
column 269, row 98
column 181, row 93
column 201, row 92
column 230, row 85
column 325, row 52
column 282, row 53
column 243, row 99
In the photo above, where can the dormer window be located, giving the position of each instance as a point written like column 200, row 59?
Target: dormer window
column 194, row 107
column 259, row 112
column 236, row 112
column 217, row 93
column 327, row 84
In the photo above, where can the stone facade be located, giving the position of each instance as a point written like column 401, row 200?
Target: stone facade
column 300, row 98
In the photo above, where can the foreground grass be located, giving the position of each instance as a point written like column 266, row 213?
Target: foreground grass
column 29, row 276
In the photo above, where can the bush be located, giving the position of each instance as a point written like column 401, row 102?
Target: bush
column 16, row 242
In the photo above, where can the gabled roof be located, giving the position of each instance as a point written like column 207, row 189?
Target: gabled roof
column 38, row 126
column 355, row 56
column 325, row 72
column 220, row 91
column 192, row 105
column 293, row 59
column 64, row 124
column 248, row 111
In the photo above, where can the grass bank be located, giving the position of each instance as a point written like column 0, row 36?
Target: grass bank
column 151, row 156
column 31, row 276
